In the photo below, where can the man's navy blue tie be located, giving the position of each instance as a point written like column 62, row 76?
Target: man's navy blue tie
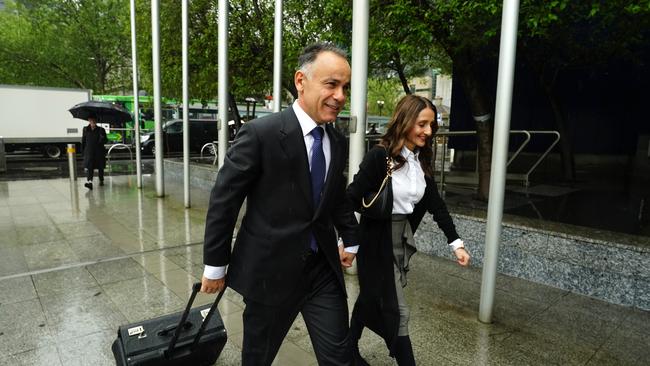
column 317, row 174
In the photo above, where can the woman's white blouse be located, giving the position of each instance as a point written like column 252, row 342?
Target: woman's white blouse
column 408, row 183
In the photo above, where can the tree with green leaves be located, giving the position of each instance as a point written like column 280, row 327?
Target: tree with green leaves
column 399, row 47
column 553, row 35
column 250, row 44
column 385, row 90
column 466, row 31
column 585, row 36
column 66, row 43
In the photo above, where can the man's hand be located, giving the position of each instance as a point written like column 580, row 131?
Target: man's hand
column 212, row 286
column 462, row 256
column 345, row 257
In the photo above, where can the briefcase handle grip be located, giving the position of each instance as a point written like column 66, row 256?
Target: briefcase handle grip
column 208, row 316
column 195, row 289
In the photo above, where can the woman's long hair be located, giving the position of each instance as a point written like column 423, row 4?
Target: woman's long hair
column 403, row 120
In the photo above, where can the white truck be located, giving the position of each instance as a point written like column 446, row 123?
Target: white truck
column 37, row 118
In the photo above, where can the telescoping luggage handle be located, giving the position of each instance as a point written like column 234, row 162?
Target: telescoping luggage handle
column 195, row 289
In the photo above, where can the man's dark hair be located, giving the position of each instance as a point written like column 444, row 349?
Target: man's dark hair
column 310, row 53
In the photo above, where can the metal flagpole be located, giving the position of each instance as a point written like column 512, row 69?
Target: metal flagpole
column 358, row 92
column 186, row 105
column 157, row 108
column 359, row 84
column 277, row 58
column 136, row 101
column 507, row 57
column 223, row 81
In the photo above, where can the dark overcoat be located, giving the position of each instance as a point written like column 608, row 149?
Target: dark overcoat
column 268, row 166
column 92, row 145
column 376, row 305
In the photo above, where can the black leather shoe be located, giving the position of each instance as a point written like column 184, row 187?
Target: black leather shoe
column 88, row 185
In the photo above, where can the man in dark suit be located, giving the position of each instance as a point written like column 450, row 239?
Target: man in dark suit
column 289, row 167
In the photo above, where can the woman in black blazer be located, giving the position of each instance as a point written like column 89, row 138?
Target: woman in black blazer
column 387, row 245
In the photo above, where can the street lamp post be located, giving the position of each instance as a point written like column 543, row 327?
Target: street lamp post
column 380, row 104
column 249, row 101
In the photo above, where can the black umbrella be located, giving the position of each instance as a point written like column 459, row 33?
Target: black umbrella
column 103, row 111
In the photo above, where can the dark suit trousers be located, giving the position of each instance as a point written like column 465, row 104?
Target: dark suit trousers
column 91, row 172
column 322, row 303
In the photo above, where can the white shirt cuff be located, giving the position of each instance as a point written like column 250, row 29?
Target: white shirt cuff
column 458, row 243
column 353, row 249
column 214, row 273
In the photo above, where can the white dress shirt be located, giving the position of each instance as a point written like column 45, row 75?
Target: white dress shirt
column 307, row 124
column 408, row 183
column 408, row 187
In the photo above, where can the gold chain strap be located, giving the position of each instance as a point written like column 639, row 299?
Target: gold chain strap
column 389, row 171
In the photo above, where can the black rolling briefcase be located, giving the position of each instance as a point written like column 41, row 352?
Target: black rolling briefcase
column 194, row 337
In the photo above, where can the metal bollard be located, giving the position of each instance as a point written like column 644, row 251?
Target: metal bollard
column 72, row 161
column 3, row 157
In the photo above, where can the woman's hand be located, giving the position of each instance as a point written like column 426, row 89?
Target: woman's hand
column 462, row 256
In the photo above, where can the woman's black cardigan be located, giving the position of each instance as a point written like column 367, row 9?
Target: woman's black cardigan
column 376, row 306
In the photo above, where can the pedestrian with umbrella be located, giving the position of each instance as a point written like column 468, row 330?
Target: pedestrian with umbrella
column 94, row 136
column 92, row 146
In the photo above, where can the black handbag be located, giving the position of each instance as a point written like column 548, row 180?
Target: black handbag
column 379, row 205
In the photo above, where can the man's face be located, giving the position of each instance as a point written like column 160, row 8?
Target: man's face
column 323, row 90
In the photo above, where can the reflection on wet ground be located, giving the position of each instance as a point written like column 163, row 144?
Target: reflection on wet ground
column 34, row 167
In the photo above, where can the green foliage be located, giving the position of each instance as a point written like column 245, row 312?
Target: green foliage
column 87, row 43
column 585, row 35
column 65, row 43
column 383, row 89
column 250, row 44
column 401, row 45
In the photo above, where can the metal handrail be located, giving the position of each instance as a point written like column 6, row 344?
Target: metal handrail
column 523, row 177
column 557, row 139
column 119, row 146
column 214, row 146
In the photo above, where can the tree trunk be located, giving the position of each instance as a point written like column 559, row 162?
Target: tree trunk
column 404, row 81
column 399, row 68
column 566, row 149
column 291, row 87
column 480, row 107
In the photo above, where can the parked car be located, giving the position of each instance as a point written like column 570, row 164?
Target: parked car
column 202, row 131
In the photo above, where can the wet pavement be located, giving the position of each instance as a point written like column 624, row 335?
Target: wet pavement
column 31, row 166
column 75, row 264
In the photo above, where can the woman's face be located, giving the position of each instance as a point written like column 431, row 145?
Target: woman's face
column 421, row 130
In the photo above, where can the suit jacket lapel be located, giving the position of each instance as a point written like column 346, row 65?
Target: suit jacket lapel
column 293, row 145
